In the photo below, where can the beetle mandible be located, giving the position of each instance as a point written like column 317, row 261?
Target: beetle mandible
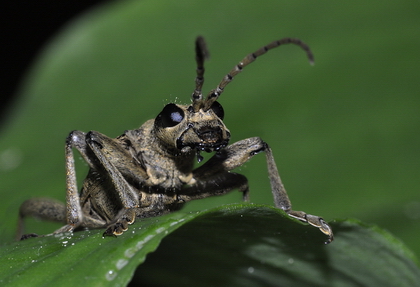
column 149, row 171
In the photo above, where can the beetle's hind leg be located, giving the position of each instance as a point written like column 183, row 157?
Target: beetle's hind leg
column 42, row 208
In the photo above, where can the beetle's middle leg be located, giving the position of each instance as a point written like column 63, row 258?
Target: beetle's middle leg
column 236, row 155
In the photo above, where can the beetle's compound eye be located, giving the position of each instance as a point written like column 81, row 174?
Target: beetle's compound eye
column 170, row 116
column 218, row 110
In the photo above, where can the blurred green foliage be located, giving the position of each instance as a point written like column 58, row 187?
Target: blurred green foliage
column 344, row 132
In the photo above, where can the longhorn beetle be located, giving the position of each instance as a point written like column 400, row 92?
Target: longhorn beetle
column 149, row 171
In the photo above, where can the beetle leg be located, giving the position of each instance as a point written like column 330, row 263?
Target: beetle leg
column 42, row 208
column 109, row 152
column 52, row 210
column 218, row 184
column 74, row 215
column 159, row 204
column 123, row 219
column 282, row 200
column 214, row 175
column 118, row 164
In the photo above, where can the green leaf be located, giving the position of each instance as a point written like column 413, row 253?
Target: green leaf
column 84, row 258
column 259, row 246
column 233, row 245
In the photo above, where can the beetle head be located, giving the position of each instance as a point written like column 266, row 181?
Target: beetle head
column 182, row 129
column 200, row 126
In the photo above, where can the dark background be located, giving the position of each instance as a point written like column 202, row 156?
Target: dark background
column 26, row 27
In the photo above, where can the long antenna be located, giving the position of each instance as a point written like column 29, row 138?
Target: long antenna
column 214, row 94
column 201, row 54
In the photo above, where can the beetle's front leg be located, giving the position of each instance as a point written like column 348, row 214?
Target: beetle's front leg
column 118, row 164
column 282, row 200
column 236, row 155
column 112, row 157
